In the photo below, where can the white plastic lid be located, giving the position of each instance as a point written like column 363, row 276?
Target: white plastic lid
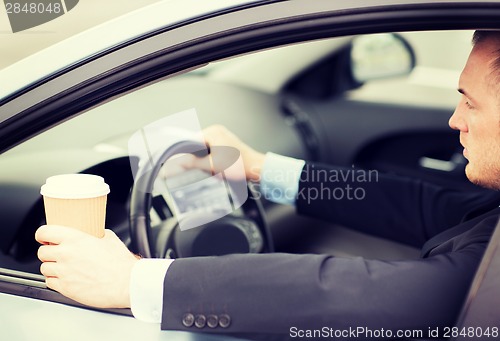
column 74, row 186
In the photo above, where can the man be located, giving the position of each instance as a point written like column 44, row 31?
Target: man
column 286, row 295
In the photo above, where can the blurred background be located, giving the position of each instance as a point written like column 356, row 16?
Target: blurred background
column 86, row 14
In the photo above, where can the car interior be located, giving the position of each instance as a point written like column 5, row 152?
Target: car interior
column 330, row 101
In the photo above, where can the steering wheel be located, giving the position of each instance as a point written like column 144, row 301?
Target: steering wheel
column 246, row 233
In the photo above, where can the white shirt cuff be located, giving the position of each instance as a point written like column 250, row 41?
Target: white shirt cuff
column 280, row 177
column 146, row 288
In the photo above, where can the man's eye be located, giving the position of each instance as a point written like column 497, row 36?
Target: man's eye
column 468, row 105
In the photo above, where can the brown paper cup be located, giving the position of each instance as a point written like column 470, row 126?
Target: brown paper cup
column 76, row 200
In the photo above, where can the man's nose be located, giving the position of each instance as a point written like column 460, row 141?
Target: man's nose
column 457, row 121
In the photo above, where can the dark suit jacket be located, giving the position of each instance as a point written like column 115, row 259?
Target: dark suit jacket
column 268, row 294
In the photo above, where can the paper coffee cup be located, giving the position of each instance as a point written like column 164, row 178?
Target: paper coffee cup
column 76, row 200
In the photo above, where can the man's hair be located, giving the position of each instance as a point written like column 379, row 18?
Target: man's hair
column 481, row 36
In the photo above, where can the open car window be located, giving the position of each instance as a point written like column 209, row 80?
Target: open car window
column 265, row 113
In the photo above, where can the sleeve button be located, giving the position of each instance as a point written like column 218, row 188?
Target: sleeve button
column 212, row 321
column 224, row 320
column 188, row 320
column 200, row 321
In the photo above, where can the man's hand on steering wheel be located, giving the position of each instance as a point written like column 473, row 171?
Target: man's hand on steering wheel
column 218, row 135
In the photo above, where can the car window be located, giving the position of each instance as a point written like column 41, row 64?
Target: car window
column 257, row 110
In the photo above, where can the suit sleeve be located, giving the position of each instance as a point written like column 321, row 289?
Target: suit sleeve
column 272, row 293
column 394, row 207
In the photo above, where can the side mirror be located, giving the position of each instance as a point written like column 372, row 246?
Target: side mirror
column 379, row 56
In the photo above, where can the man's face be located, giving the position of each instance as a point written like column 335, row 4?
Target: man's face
column 477, row 115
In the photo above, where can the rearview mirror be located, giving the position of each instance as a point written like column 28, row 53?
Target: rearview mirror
column 380, row 56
